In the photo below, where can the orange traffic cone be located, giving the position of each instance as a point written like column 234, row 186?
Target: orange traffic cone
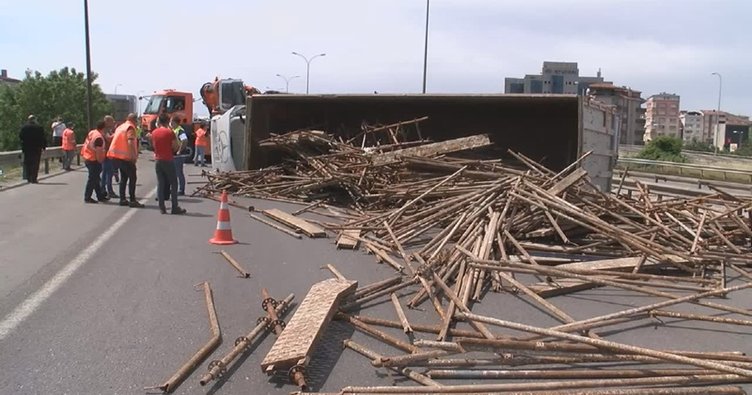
column 223, row 233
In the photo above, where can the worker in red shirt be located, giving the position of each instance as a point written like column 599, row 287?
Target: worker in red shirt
column 165, row 144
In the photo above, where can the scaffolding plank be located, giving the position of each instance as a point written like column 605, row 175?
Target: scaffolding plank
column 348, row 239
column 292, row 221
column 299, row 338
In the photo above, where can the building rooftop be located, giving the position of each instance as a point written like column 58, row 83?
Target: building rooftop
column 4, row 77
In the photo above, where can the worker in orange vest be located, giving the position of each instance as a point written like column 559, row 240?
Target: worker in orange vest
column 93, row 153
column 69, row 146
column 201, row 143
column 124, row 154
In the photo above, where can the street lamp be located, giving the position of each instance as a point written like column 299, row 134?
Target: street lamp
column 287, row 81
column 116, row 86
column 139, row 97
column 425, row 48
column 718, row 113
column 308, row 67
column 89, row 116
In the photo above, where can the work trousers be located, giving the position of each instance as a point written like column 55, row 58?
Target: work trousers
column 93, row 183
column 57, row 141
column 200, row 159
column 127, row 177
column 68, row 159
column 179, row 161
column 31, row 164
column 107, row 170
column 167, row 183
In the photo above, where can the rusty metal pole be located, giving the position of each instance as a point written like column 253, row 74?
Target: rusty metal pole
column 235, row 264
column 407, row 372
column 218, row 367
column 625, row 348
column 203, row 352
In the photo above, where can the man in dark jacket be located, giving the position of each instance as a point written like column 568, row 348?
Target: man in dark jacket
column 33, row 142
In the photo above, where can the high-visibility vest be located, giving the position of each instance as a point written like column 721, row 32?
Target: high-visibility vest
column 88, row 151
column 119, row 145
column 69, row 140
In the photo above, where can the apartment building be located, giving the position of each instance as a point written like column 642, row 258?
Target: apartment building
column 662, row 116
column 692, row 126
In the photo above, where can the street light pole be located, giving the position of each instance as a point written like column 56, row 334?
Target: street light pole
column 718, row 112
column 89, row 115
column 425, row 48
column 116, row 86
column 287, row 81
column 308, row 67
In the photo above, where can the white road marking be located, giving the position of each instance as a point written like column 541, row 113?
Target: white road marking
column 32, row 303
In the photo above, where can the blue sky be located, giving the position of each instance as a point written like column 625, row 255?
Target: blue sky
column 141, row 46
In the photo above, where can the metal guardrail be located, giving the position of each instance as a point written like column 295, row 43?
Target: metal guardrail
column 681, row 168
column 51, row 153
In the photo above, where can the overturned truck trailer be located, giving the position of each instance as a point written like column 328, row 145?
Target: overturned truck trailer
column 553, row 129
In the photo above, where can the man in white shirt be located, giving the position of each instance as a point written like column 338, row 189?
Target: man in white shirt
column 58, row 127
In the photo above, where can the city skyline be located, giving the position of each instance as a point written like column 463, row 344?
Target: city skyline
column 377, row 46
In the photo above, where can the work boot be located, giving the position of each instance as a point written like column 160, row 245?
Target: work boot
column 90, row 200
column 123, row 203
column 135, row 204
column 178, row 211
column 103, row 198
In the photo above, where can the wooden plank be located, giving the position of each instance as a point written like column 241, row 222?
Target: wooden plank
column 567, row 181
column 433, row 149
column 349, row 238
column 296, row 343
column 304, row 226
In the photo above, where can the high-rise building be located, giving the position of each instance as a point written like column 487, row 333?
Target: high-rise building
column 662, row 116
column 628, row 103
column 692, row 126
column 555, row 77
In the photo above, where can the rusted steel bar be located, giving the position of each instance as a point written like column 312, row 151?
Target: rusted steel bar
column 416, row 327
column 458, row 303
column 553, row 374
column 334, row 271
column 218, row 367
column 376, row 295
column 699, row 317
column 551, row 385
column 704, row 390
column 378, row 334
column 377, row 286
column 270, row 306
column 625, row 348
column 510, row 359
column 276, row 226
column 449, row 346
column 202, row 352
column 235, row 264
column 409, row 359
column 401, row 314
column 407, row 372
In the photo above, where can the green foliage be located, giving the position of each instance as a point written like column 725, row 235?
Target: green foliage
column 663, row 148
column 60, row 93
column 695, row 145
column 744, row 150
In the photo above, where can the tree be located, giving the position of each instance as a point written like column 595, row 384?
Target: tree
column 663, row 148
column 696, row 145
column 60, row 93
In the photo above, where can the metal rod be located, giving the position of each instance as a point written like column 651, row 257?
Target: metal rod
column 235, row 264
column 548, row 374
column 202, row 352
column 551, row 385
column 407, row 372
column 380, row 335
column 610, row 345
column 401, row 314
column 217, row 368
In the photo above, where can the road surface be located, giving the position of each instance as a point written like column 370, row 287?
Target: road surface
column 100, row 299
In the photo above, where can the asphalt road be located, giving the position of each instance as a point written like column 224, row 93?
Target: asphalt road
column 81, row 314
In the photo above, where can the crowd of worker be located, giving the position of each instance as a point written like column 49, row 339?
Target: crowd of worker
column 111, row 151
